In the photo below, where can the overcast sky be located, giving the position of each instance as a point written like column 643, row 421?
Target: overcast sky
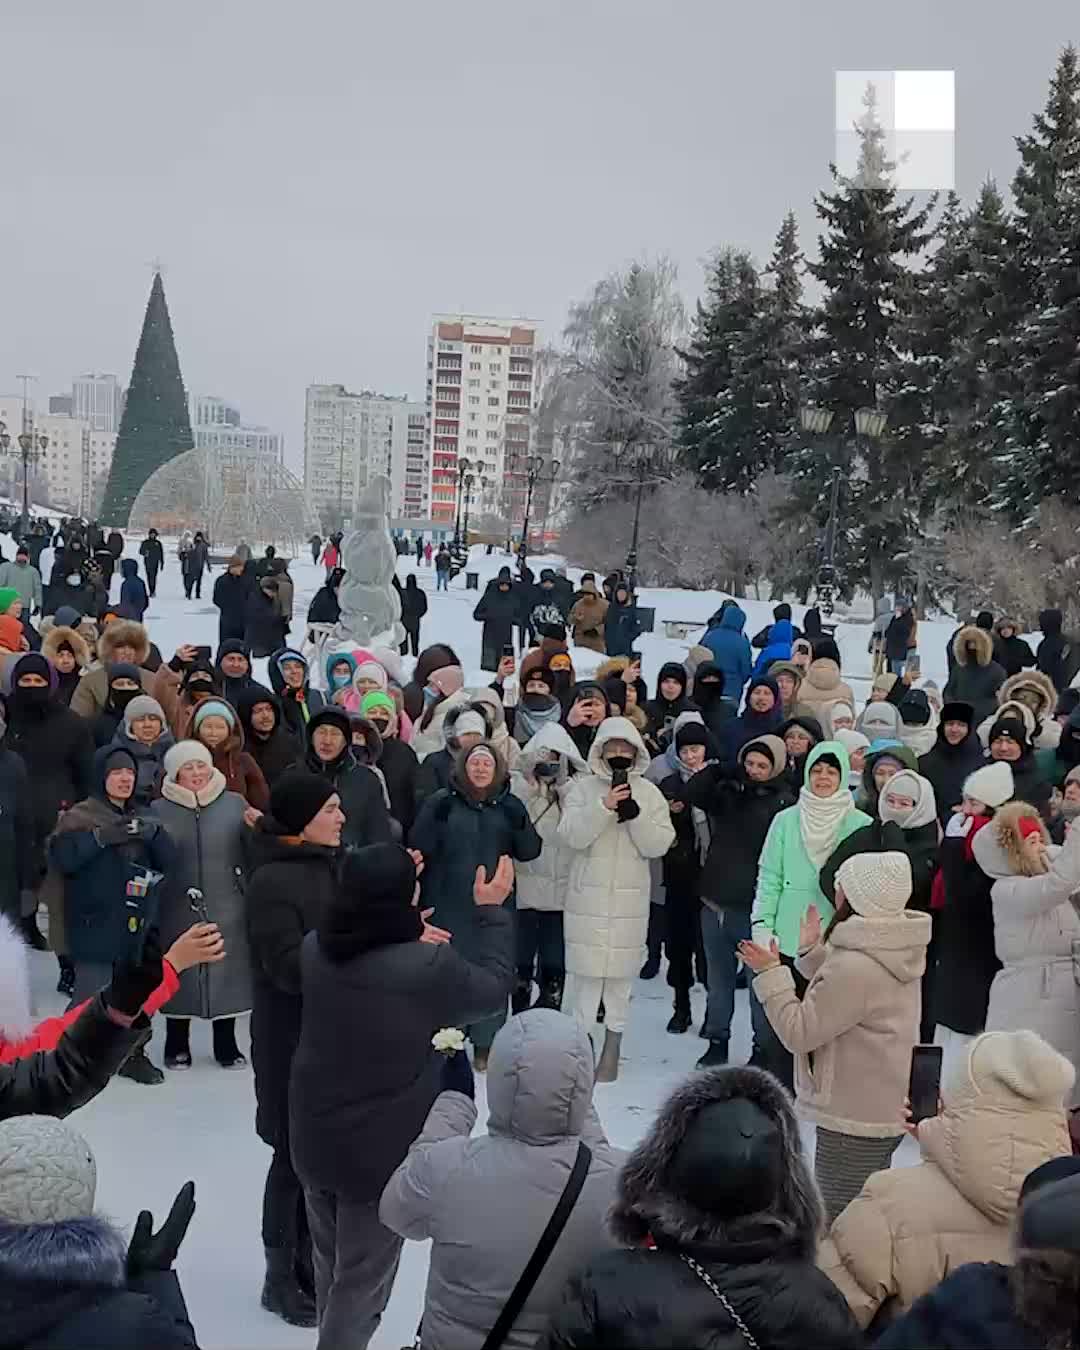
column 319, row 178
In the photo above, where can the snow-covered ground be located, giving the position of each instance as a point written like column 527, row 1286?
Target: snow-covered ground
column 200, row 1124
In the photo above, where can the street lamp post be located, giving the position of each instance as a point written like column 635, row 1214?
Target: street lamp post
column 533, row 466
column 30, row 450
column 555, row 467
column 470, row 483
column 632, row 553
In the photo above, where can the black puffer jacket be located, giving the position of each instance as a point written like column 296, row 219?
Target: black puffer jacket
column 231, row 597
column 278, row 751
column 400, row 769
column 715, row 709
column 762, row 1263
column 1058, row 655
column 976, row 676
column 967, row 959
column 16, row 833
column 947, row 766
column 290, row 886
column 972, row 1307
column 740, row 813
column 57, row 1082
column 367, row 816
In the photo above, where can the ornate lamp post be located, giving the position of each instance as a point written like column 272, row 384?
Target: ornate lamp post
column 632, row 554
column 533, row 466
column 463, row 468
column 470, row 483
column 30, row 449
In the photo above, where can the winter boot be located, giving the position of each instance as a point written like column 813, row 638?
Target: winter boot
column 715, row 1056
column 651, row 968
column 282, row 1294
column 521, row 998
column 66, row 983
column 681, row 1017
column 607, row 1069
column 139, row 1069
column 551, row 988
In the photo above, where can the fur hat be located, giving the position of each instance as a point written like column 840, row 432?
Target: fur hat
column 992, row 784
column 876, row 885
column 692, row 1182
column 123, row 633
column 979, row 639
column 1019, row 1064
column 59, row 635
column 1032, row 688
column 47, row 1172
column 186, row 752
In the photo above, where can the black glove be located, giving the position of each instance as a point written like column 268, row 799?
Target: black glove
column 149, row 1251
column 134, row 981
column 117, row 832
column 628, row 810
column 457, row 1075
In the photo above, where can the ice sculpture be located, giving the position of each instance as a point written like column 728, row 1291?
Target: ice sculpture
column 370, row 607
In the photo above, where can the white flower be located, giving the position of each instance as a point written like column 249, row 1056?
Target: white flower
column 449, row 1040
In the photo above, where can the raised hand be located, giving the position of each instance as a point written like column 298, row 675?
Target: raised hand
column 810, row 929
column 435, row 936
column 149, row 1251
column 495, row 890
column 760, row 958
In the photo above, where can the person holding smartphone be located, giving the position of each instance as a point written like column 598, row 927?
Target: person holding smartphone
column 1001, row 1116
column 111, row 862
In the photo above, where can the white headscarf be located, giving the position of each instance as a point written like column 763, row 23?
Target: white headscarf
column 821, row 818
column 919, row 789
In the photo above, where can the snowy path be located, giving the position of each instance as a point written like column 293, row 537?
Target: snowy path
column 200, row 1124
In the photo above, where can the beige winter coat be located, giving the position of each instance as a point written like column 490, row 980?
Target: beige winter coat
column 823, row 685
column 1036, row 935
column 587, row 622
column 858, row 1019
column 909, row 1227
column 606, row 918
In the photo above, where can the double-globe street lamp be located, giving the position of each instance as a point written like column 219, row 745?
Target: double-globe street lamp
column 29, row 448
column 470, row 483
column 816, row 421
column 534, row 469
column 463, row 467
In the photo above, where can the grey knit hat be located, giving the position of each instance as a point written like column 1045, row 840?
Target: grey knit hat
column 142, row 705
column 47, row 1172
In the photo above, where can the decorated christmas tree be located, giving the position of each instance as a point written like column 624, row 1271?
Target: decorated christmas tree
column 155, row 426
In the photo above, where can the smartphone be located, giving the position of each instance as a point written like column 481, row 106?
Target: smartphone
column 924, row 1089
column 914, row 664
column 203, row 653
column 619, row 778
column 508, row 649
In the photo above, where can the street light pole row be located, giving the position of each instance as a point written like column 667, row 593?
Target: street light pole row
column 30, row 448
column 534, row 468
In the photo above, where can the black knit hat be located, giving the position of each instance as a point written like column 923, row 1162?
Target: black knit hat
column 297, row 798
column 730, row 1160
column 373, row 903
column 955, row 711
column 1013, row 728
column 615, row 692
column 331, row 716
column 692, row 733
column 915, row 709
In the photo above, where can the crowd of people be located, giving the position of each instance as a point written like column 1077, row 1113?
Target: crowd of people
column 350, row 842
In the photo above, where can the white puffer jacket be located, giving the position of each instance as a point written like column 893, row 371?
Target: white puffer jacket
column 607, row 900
column 541, row 884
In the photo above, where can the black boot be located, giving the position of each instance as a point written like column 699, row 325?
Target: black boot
column 282, row 1294
column 521, row 998
column 32, row 935
column 66, row 983
column 551, row 989
column 680, row 1018
column 139, row 1069
column 715, row 1056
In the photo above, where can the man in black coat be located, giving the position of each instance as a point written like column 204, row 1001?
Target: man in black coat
column 1058, row 655
column 782, row 611
column 290, row 887
column 17, row 874
column 231, row 592
column 499, row 609
column 324, row 607
column 414, row 605
column 372, row 968
column 153, row 556
column 196, row 562
column 267, row 739
column 330, row 753
column 957, row 753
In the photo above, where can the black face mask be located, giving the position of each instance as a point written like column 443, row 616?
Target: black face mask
column 546, row 769
column 200, row 687
column 120, row 698
column 537, row 702
column 32, row 698
column 620, row 762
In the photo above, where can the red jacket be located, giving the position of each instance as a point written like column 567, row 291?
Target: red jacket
column 46, row 1035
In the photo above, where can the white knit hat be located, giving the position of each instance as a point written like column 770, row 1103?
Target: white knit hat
column 469, row 721
column 186, row 752
column 47, row 1172
column 851, row 739
column 876, row 885
column 992, row 784
column 1020, row 1064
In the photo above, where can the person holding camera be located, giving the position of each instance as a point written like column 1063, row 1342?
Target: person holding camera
column 112, row 862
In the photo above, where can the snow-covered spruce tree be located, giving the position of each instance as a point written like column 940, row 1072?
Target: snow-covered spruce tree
column 854, row 360
column 739, row 397
column 1038, row 425
column 155, row 426
column 618, row 405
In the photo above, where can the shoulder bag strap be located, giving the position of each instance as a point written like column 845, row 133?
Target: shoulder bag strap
column 524, row 1287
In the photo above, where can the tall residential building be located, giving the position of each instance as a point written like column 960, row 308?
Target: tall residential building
column 99, row 400
column 216, row 425
column 75, row 462
column 481, row 387
column 350, row 437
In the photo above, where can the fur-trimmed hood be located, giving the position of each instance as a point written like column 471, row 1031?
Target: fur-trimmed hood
column 644, row 1204
column 51, row 1271
column 614, row 665
column 1032, row 688
column 52, row 641
column 1001, row 853
column 980, row 639
column 123, row 633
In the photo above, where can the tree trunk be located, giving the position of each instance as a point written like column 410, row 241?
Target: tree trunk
column 877, row 581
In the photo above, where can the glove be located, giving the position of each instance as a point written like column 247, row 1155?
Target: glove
column 457, row 1075
column 149, row 1251
column 116, row 832
column 134, row 981
column 628, row 810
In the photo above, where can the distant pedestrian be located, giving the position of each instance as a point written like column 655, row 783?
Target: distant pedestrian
column 442, row 567
column 419, row 549
column 428, row 552
column 153, row 556
column 414, row 605
column 196, row 561
column 316, row 547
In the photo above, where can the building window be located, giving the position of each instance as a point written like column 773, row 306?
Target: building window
column 496, row 367
column 474, row 400
column 474, row 365
column 474, row 384
column 472, row 434
column 493, row 435
column 493, row 402
column 493, row 417
column 476, row 349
